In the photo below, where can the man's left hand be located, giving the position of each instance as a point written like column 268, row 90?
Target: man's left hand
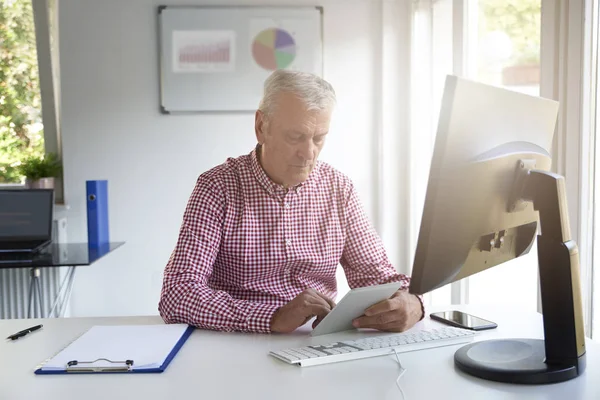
column 396, row 314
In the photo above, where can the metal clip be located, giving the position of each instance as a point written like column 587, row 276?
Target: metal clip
column 75, row 366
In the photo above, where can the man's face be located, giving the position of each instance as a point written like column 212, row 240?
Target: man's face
column 292, row 138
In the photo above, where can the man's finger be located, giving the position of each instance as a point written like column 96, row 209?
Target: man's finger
column 316, row 322
column 381, row 319
column 317, row 298
column 318, row 310
column 381, row 307
column 327, row 299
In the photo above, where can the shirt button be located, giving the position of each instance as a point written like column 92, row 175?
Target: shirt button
column 287, row 205
column 288, row 242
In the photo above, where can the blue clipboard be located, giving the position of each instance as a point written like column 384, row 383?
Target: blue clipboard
column 124, row 366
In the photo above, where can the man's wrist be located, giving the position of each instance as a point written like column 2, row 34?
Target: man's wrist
column 273, row 321
column 421, row 305
column 417, row 306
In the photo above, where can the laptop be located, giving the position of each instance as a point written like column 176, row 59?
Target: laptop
column 25, row 220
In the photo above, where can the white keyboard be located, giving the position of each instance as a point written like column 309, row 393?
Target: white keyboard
column 374, row 346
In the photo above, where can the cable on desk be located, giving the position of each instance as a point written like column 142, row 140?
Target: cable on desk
column 402, row 371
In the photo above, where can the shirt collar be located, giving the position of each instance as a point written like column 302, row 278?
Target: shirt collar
column 272, row 187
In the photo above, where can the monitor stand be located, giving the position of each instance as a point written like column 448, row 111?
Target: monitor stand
column 561, row 356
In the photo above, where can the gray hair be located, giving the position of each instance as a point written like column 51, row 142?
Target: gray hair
column 314, row 91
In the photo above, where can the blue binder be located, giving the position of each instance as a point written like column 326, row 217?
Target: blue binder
column 116, row 366
column 97, row 212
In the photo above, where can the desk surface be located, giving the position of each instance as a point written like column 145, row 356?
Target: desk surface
column 59, row 255
column 220, row 365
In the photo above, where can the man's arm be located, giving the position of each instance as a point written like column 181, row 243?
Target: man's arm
column 365, row 261
column 186, row 297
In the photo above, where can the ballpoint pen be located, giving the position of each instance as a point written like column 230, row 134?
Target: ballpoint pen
column 24, row 332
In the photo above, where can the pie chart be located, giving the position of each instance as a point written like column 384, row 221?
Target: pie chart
column 273, row 49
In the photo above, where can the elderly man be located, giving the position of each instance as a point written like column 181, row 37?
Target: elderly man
column 263, row 233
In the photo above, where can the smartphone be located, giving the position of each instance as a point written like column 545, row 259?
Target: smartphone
column 463, row 320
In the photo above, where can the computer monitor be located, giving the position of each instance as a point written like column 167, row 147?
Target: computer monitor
column 25, row 219
column 490, row 192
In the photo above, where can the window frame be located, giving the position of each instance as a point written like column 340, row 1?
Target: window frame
column 45, row 15
column 565, row 71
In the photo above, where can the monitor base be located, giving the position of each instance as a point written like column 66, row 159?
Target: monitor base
column 514, row 361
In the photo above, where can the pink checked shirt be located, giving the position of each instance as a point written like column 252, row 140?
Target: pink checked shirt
column 247, row 246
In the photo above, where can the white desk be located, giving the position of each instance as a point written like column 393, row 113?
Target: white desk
column 216, row 365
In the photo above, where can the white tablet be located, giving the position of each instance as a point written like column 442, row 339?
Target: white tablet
column 353, row 305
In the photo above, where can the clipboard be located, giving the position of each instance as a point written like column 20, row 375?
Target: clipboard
column 119, row 349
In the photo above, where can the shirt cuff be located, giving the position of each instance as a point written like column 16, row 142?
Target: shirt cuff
column 259, row 317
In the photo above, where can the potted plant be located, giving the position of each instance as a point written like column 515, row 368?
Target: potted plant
column 40, row 172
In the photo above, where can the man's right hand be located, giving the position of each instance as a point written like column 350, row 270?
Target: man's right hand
column 297, row 312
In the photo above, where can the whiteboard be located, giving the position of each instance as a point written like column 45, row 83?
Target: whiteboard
column 217, row 58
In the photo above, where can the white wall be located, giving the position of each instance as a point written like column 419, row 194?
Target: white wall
column 112, row 129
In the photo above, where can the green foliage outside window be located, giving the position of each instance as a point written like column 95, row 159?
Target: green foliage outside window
column 21, row 130
column 520, row 20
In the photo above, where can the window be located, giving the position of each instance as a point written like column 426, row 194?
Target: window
column 21, row 128
column 29, row 95
column 507, row 54
column 495, row 42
